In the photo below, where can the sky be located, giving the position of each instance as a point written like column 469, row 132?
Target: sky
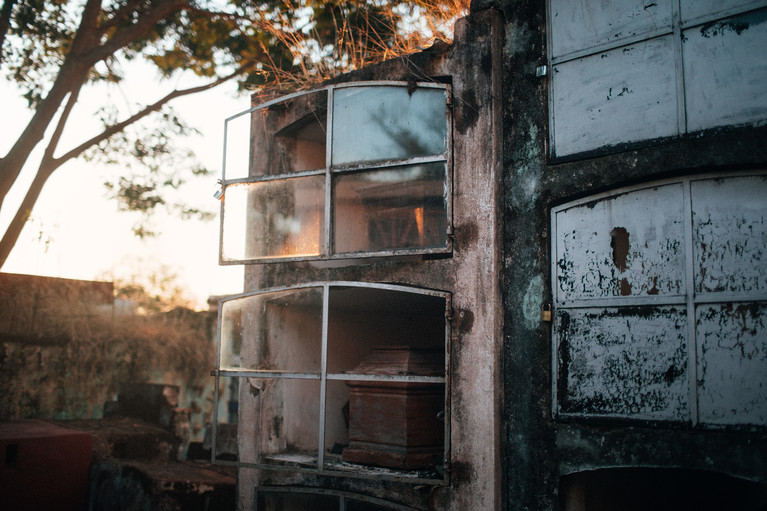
column 75, row 231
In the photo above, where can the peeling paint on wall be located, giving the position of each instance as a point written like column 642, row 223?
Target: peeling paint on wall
column 623, row 362
column 732, row 363
column 730, row 230
column 628, row 245
column 632, row 360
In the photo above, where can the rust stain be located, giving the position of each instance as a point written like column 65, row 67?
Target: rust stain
column 619, row 242
column 625, row 287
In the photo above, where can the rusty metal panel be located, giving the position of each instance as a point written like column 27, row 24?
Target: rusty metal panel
column 732, row 363
column 730, row 234
column 725, row 69
column 594, row 96
column 625, row 245
column 623, row 362
column 579, row 24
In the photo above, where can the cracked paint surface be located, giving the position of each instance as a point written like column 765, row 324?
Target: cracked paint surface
column 623, row 362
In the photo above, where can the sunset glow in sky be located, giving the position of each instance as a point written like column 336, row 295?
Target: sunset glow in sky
column 76, row 232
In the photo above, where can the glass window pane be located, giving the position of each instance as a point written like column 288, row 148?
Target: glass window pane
column 279, row 331
column 237, row 147
column 290, row 136
column 280, row 218
column 397, row 208
column 362, row 319
column 381, row 123
column 287, row 412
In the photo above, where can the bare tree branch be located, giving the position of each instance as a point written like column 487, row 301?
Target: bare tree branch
column 154, row 107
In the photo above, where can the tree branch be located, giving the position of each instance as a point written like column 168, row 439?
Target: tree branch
column 154, row 107
column 133, row 32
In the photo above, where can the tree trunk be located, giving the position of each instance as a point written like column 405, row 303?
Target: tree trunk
column 22, row 214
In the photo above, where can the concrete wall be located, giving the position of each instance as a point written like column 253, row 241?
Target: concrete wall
column 471, row 273
column 539, row 450
column 64, row 351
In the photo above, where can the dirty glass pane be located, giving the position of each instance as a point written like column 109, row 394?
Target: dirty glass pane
column 362, row 320
column 237, row 147
column 730, row 234
column 280, row 218
column 732, row 363
column 382, row 123
column 623, row 362
column 395, row 208
column 288, row 412
column 284, row 501
column 626, row 245
column 290, row 136
column 277, row 331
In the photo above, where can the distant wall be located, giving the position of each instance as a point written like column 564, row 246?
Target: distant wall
column 64, row 351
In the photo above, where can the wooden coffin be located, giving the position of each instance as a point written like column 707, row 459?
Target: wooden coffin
column 397, row 424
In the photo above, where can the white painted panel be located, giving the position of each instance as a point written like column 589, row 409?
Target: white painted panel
column 725, row 66
column 696, row 9
column 624, row 95
column 732, row 363
column 730, row 234
column 625, row 245
column 623, row 362
column 580, row 24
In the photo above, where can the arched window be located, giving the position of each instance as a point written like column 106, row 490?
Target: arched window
column 343, row 377
column 350, row 170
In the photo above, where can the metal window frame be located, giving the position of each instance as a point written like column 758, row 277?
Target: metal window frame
column 323, row 377
column 689, row 299
column 676, row 28
column 327, row 250
column 343, row 496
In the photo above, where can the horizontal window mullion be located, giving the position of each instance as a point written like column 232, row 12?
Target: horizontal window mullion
column 730, row 297
column 383, row 164
column 257, row 373
column 627, row 301
column 277, row 177
column 392, row 378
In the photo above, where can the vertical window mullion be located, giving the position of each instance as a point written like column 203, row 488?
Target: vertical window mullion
column 323, row 376
column 681, row 101
column 329, row 250
column 217, row 381
column 692, row 344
